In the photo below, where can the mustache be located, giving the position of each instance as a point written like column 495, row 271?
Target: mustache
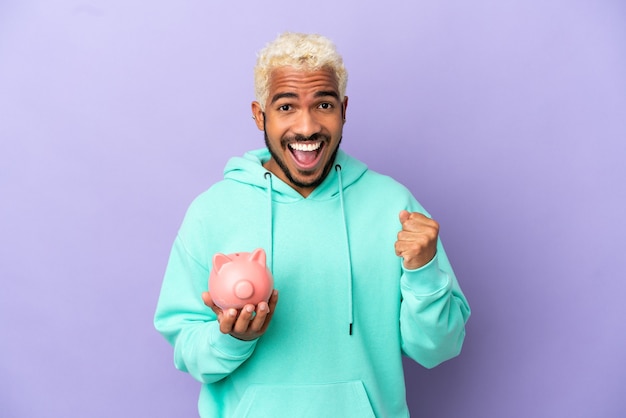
column 301, row 138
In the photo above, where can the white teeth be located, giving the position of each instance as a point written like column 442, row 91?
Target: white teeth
column 301, row 146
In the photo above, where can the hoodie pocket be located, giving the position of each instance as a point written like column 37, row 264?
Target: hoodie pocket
column 345, row 399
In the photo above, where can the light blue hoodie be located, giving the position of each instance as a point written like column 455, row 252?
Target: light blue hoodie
column 347, row 311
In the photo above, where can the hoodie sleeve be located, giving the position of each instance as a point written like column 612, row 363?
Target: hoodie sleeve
column 433, row 312
column 190, row 326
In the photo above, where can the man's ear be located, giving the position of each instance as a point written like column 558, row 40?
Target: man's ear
column 258, row 115
column 344, row 108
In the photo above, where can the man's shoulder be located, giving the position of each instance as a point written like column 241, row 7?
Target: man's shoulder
column 372, row 178
column 218, row 191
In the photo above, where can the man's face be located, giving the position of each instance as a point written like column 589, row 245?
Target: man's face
column 303, row 124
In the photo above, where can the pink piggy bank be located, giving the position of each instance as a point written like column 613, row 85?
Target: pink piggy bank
column 239, row 279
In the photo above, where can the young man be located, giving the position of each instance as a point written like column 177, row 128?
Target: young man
column 362, row 275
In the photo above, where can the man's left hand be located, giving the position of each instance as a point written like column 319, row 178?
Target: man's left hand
column 417, row 241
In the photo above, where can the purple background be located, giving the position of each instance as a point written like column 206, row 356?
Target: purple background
column 507, row 119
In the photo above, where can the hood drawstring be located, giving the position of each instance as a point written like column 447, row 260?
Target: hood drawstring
column 270, row 245
column 345, row 230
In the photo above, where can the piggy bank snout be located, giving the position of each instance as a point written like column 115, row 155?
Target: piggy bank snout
column 243, row 289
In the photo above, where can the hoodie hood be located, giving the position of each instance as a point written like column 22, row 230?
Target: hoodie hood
column 249, row 170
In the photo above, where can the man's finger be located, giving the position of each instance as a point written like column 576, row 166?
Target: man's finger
column 404, row 216
column 260, row 317
column 227, row 320
column 243, row 321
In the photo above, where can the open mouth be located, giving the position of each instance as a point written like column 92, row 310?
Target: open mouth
column 306, row 154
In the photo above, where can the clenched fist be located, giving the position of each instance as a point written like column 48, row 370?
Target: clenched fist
column 417, row 241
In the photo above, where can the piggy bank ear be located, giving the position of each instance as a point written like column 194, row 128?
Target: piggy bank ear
column 258, row 256
column 219, row 260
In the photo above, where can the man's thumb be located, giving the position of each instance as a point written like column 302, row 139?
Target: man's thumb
column 404, row 215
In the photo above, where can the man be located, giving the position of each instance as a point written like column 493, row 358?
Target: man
column 362, row 275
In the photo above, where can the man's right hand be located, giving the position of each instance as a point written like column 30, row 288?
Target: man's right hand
column 247, row 324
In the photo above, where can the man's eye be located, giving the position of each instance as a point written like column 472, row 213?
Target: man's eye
column 325, row 106
column 284, row 108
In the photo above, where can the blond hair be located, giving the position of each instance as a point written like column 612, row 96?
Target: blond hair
column 308, row 52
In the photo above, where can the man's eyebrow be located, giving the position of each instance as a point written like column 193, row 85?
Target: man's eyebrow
column 287, row 95
column 325, row 93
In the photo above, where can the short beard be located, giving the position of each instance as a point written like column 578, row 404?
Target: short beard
column 288, row 174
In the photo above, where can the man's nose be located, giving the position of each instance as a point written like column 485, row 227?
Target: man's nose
column 306, row 124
